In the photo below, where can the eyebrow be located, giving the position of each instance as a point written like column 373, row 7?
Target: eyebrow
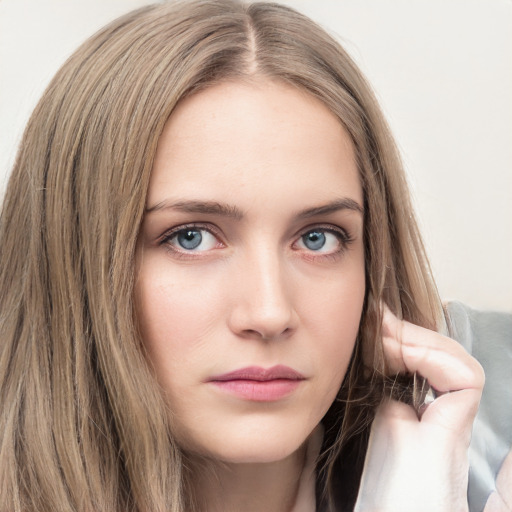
column 332, row 207
column 226, row 210
column 205, row 207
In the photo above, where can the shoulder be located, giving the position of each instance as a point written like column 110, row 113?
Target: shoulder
column 487, row 335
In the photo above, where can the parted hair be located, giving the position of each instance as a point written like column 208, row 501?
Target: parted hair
column 83, row 425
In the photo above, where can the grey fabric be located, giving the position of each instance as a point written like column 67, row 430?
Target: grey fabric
column 488, row 337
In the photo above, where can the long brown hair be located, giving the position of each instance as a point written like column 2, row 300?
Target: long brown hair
column 82, row 423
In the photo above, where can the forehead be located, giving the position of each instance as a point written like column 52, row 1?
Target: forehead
column 235, row 137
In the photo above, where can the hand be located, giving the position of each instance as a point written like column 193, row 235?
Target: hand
column 412, row 464
column 500, row 500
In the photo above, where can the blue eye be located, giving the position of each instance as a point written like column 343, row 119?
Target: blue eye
column 323, row 241
column 314, row 240
column 191, row 239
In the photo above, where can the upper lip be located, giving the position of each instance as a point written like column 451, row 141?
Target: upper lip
column 260, row 374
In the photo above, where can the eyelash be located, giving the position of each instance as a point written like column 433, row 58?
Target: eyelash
column 343, row 236
column 167, row 237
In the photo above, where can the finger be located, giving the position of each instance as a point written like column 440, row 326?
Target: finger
column 454, row 412
column 449, row 369
column 441, row 360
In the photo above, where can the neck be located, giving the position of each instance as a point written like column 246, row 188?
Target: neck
column 286, row 485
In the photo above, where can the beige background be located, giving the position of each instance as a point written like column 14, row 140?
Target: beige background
column 442, row 70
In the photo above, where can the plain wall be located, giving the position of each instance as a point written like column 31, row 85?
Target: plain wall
column 442, row 70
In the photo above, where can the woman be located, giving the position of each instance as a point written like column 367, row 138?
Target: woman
column 206, row 242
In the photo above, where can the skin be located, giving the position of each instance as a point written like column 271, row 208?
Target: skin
column 254, row 292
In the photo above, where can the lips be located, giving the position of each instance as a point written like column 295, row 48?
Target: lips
column 259, row 384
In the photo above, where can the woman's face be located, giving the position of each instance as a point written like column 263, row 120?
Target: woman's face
column 250, row 264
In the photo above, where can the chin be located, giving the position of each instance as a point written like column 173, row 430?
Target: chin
column 258, row 453
column 259, row 446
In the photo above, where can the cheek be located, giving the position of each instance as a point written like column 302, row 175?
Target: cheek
column 332, row 315
column 333, row 306
column 176, row 318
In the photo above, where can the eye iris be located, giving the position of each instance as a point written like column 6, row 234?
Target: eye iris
column 189, row 239
column 314, row 240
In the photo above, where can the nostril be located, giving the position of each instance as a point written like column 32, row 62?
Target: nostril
column 251, row 333
column 266, row 335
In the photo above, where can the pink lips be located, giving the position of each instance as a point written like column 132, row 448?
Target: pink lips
column 259, row 384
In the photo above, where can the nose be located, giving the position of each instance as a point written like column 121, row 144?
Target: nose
column 263, row 299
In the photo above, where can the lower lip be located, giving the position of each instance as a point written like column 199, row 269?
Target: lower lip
column 259, row 391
